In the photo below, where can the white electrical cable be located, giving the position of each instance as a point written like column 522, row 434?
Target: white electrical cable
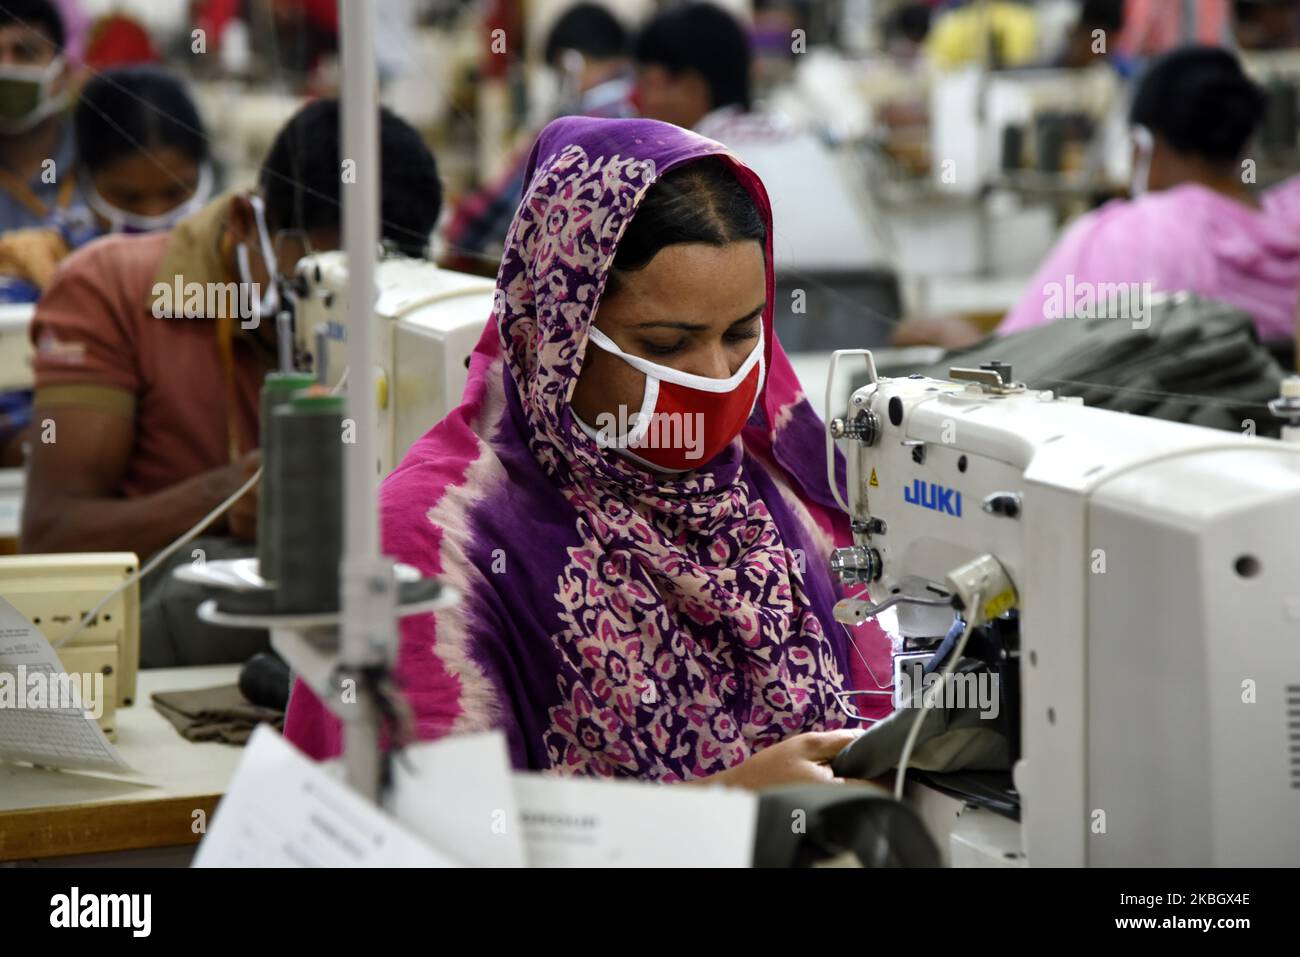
column 939, row 688
column 154, row 562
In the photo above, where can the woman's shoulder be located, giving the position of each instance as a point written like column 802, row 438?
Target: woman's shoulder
column 413, row 503
column 1133, row 235
column 1283, row 200
column 457, row 497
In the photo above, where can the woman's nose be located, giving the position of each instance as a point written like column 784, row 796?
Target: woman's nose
column 715, row 363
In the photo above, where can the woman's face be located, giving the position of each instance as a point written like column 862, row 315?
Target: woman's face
column 148, row 184
column 694, row 307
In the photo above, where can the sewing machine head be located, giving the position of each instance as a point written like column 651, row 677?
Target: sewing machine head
column 428, row 322
column 1141, row 564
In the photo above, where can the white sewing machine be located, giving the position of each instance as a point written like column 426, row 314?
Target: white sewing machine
column 428, row 322
column 1154, row 569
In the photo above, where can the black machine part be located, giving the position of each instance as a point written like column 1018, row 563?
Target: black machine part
column 993, row 648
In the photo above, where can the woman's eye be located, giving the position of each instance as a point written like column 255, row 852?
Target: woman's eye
column 656, row 349
column 742, row 335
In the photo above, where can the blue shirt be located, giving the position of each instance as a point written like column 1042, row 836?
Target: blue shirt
column 15, row 214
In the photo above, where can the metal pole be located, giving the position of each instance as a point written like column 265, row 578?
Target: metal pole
column 1190, row 15
column 366, row 579
column 360, row 239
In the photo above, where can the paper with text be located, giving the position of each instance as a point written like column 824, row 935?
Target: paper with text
column 458, row 794
column 283, row 810
column 43, row 713
column 579, row 822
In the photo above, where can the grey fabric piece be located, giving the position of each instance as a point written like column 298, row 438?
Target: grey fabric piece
column 810, row 825
column 951, row 739
column 215, row 714
column 1199, row 361
column 171, row 634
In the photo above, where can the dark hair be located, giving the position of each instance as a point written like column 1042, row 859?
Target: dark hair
column 41, row 14
column 302, row 185
column 1199, row 100
column 700, row 201
column 1249, row 9
column 704, row 39
column 910, row 21
column 591, row 30
column 1102, row 14
column 135, row 109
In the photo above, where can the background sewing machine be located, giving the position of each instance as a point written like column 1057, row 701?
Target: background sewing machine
column 54, row 593
column 428, row 321
column 1158, row 630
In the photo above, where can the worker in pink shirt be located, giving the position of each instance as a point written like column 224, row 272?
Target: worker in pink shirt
column 1195, row 223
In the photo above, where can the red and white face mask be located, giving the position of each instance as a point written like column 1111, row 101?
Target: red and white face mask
column 685, row 420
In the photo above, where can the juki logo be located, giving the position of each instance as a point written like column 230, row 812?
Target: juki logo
column 933, row 496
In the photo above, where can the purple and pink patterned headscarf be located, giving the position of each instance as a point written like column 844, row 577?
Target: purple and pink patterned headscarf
column 614, row 622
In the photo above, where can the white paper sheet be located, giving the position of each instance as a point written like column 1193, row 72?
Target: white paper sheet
column 283, row 810
column 580, row 822
column 458, row 795
column 32, row 682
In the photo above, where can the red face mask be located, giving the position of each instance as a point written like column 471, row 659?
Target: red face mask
column 685, row 420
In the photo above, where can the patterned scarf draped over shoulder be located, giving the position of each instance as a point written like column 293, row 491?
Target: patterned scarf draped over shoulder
column 615, row 621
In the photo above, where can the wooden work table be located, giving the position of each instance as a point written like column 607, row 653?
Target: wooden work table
column 65, row 817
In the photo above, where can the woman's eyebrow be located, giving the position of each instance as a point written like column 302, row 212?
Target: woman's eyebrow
column 700, row 326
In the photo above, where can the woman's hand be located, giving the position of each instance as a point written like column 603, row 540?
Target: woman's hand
column 242, row 516
column 949, row 332
column 803, row 759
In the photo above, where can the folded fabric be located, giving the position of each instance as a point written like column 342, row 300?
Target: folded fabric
column 1196, row 360
column 950, row 739
column 215, row 714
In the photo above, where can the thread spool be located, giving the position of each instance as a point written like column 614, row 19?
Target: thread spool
column 308, row 501
column 277, row 389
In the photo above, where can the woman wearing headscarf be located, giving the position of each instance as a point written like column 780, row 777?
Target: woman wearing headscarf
column 631, row 498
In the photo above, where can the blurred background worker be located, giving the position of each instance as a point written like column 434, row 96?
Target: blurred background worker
column 151, row 389
column 142, row 153
column 693, row 69
column 587, row 51
column 37, row 153
column 1003, row 33
column 1193, row 223
column 148, row 166
column 1084, row 44
column 142, row 157
column 695, row 65
column 1266, row 24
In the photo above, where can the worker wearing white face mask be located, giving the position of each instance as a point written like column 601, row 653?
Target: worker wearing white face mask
column 38, row 177
column 151, row 351
column 141, row 165
column 119, row 220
